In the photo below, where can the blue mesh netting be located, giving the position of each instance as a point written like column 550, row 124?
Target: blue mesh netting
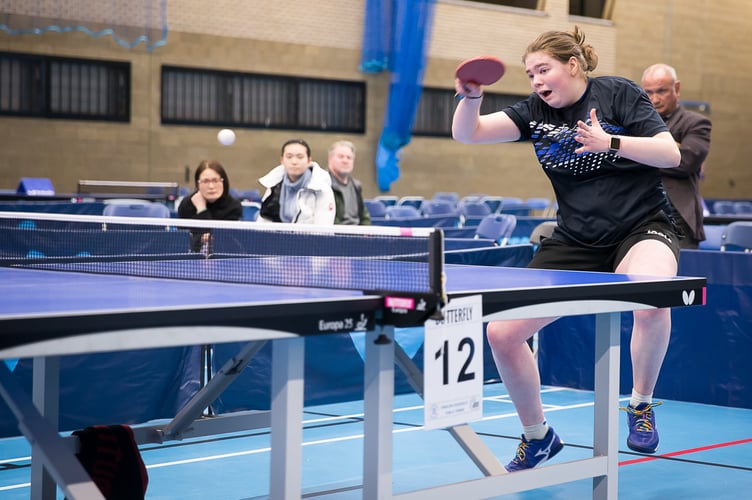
column 128, row 22
column 396, row 37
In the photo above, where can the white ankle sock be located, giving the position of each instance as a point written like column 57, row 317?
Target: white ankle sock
column 638, row 398
column 537, row 431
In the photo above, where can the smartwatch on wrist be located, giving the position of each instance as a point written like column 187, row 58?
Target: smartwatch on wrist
column 614, row 144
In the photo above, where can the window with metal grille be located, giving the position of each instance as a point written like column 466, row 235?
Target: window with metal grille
column 436, row 108
column 193, row 96
column 599, row 9
column 523, row 4
column 65, row 88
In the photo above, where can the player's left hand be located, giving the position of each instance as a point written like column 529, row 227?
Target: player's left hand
column 592, row 137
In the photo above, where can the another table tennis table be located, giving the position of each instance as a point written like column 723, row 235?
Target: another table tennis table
column 47, row 314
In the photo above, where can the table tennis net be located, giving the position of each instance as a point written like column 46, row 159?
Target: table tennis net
column 372, row 259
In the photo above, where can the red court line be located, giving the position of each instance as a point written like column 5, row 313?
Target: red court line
column 684, row 452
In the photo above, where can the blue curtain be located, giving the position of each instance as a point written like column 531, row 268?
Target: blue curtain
column 377, row 36
column 396, row 36
column 128, row 22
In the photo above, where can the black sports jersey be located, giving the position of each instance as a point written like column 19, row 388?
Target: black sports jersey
column 601, row 196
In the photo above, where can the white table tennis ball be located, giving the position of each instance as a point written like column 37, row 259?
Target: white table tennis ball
column 226, row 136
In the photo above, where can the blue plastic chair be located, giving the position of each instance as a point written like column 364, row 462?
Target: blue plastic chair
column 438, row 207
column 471, row 198
column 415, row 201
column 538, row 204
column 493, row 202
column 713, row 237
column 387, row 199
column 251, row 210
column 449, row 196
column 471, row 213
column 474, row 209
column 512, row 201
column 514, row 206
column 137, row 210
column 723, row 207
column 497, row 227
column 738, row 236
column 402, row 212
column 375, row 208
column 743, row 207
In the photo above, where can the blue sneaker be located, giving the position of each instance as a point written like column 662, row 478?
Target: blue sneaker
column 536, row 451
column 643, row 435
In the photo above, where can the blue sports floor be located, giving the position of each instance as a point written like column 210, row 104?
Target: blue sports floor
column 705, row 452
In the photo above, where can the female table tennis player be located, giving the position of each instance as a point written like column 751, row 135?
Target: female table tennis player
column 601, row 143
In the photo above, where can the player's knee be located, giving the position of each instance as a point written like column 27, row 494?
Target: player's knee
column 502, row 334
column 653, row 319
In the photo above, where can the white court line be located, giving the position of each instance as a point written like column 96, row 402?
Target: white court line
column 211, row 457
column 15, row 486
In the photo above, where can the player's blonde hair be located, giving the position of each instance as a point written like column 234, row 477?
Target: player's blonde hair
column 563, row 45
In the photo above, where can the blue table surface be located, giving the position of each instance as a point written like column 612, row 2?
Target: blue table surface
column 37, row 292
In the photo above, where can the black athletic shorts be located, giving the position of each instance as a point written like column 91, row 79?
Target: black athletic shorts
column 559, row 253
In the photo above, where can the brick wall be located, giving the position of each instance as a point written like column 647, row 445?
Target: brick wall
column 703, row 39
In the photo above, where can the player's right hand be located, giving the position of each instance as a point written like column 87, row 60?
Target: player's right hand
column 467, row 89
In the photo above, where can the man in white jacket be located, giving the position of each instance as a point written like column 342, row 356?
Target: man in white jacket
column 298, row 190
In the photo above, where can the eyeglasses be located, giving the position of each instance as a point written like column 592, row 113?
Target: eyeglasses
column 206, row 182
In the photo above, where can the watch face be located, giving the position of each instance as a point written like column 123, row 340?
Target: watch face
column 615, row 143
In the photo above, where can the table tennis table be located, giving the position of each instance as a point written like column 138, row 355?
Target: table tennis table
column 47, row 314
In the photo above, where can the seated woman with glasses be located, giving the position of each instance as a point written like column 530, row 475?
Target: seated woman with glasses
column 298, row 190
column 211, row 200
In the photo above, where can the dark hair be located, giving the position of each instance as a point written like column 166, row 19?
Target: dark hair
column 296, row 141
column 217, row 167
column 562, row 45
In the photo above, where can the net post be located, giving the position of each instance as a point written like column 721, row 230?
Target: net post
column 436, row 276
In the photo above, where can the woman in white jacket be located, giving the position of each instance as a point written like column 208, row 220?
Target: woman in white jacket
column 298, row 190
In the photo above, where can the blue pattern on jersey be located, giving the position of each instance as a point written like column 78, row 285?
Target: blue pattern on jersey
column 555, row 146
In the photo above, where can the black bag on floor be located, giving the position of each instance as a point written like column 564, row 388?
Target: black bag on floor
column 110, row 455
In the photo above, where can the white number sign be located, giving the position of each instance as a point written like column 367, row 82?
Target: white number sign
column 453, row 365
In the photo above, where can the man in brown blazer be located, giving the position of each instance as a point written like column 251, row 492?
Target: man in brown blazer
column 691, row 132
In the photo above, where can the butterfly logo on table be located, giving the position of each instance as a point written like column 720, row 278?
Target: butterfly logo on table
column 688, row 297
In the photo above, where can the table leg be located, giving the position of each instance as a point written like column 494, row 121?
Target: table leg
column 45, row 394
column 378, row 401
column 288, row 358
column 606, row 403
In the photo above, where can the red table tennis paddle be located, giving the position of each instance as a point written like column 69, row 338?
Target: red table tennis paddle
column 481, row 70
